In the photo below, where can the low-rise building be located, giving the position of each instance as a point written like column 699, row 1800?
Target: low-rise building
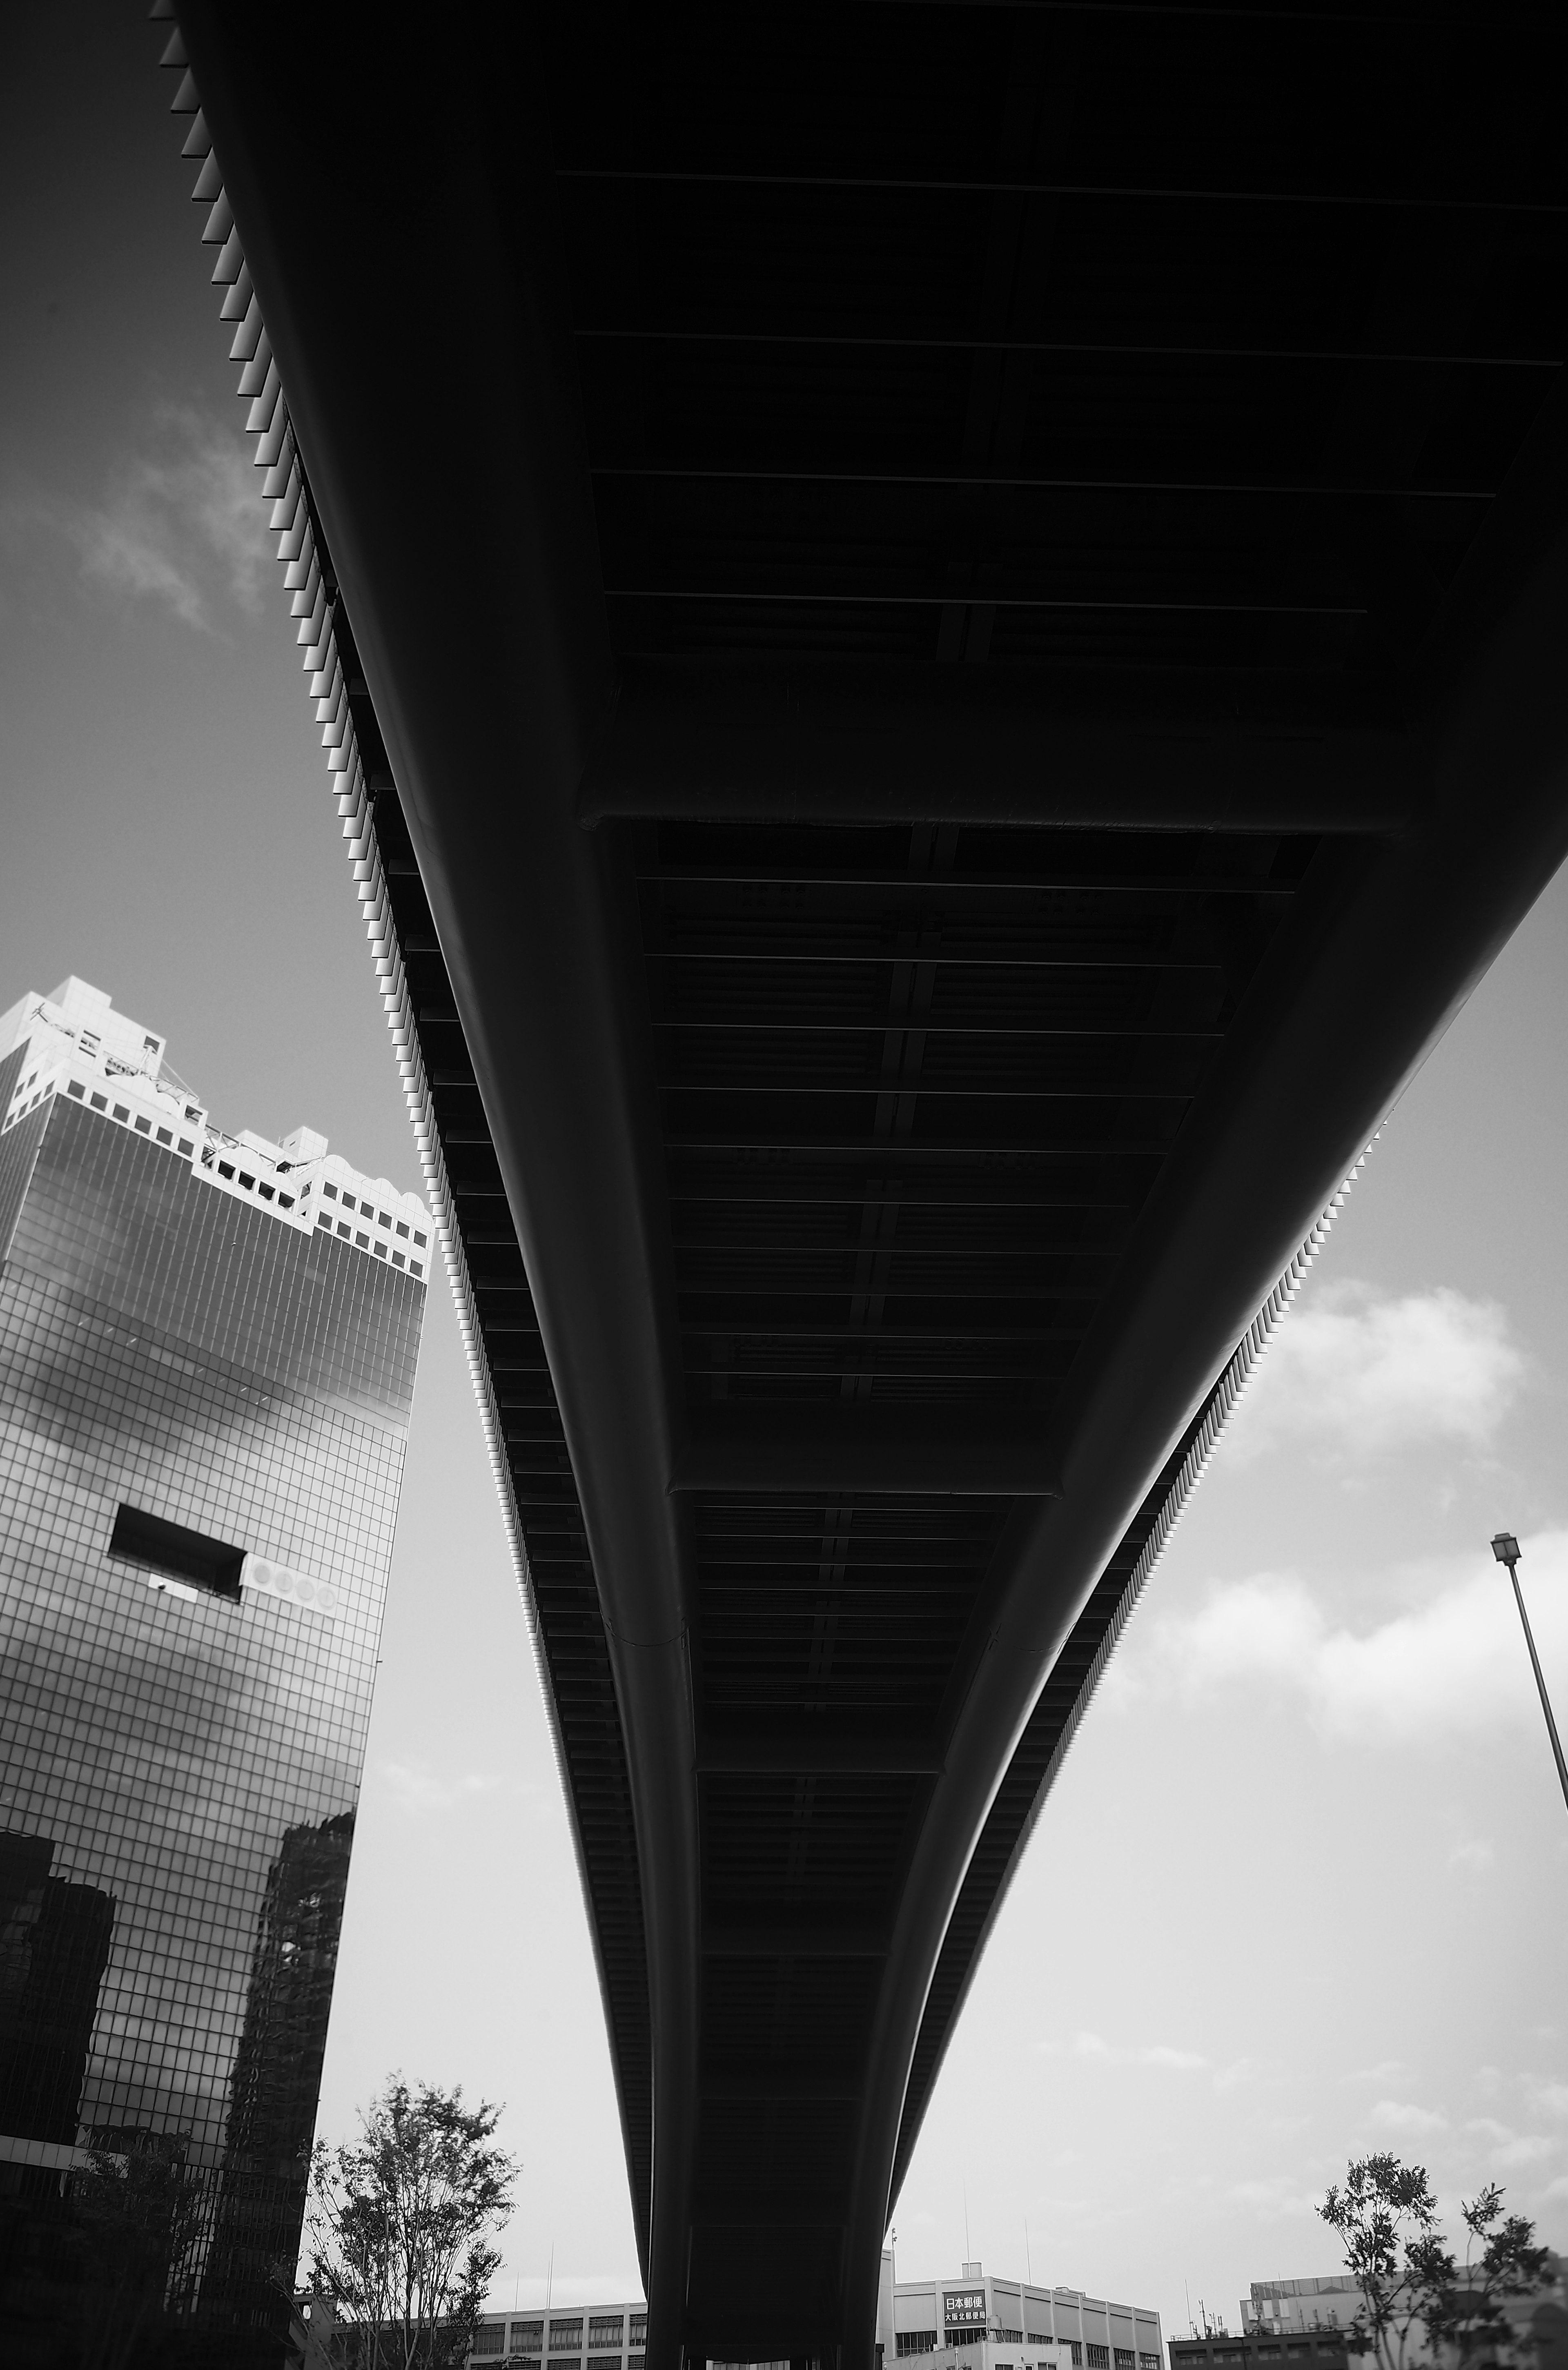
column 973, row 2322
column 980, row 2322
column 575, row 2337
column 1323, row 2349
column 1311, row 2321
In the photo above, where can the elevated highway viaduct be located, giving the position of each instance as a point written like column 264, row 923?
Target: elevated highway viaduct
column 941, row 631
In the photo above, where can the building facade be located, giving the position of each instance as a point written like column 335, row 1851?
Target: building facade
column 1277, row 2306
column 1287, row 2321
column 207, row 1353
column 973, row 2322
column 581, row 2337
column 1324, row 2348
column 978, row 2323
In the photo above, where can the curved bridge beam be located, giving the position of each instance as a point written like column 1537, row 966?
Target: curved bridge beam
column 919, row 880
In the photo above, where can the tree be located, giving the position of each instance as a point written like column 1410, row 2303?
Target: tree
column 1414, row 2291
column 396, row 2227
column 1471, row 2315
column 1385, row 2218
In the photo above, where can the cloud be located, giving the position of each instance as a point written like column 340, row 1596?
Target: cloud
column 1352, row 1375
column 1455, row 1663
column 1277, row 2196
column 1510, row 2149
column 415, row 1786
column 1090, row 2046
column 1475, row 1853
column 1525, row 2147
column 1552, row 2098
column 1395, row 2115
column 181, row 522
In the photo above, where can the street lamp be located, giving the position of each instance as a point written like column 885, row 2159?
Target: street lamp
column 1505, row 1547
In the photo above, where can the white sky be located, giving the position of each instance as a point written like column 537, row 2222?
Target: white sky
column 1303, row 1886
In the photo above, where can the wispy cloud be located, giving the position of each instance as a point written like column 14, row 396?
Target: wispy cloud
column 1511, row 2151
column 1354, row 1374
column 1412, row 2122
column 1454, row 1664
column 414, row 1785
column 181, row 522
column 1278, row 2196
column 1270, row 2072
column 1522, row 2148
column 1474, row 1853
column 1089, row 2046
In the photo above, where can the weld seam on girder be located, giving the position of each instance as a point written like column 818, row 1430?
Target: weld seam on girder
column 291, row 521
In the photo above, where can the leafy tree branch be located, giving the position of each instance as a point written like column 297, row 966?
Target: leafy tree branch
column 397, row 2225
column 1418, row 2302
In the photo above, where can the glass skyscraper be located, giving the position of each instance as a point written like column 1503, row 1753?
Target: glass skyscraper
column 207, row 1351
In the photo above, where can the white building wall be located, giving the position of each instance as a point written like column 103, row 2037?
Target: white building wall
column 1020, row 2326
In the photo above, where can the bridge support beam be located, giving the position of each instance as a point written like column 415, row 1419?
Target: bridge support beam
column 868, row 742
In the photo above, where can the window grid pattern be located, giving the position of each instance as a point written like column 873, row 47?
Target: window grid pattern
column 166, row 1348
column 132, row 1225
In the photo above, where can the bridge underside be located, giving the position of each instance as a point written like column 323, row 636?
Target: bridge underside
column 952, row 620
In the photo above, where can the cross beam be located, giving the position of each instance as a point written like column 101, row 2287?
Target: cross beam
column 869, row 742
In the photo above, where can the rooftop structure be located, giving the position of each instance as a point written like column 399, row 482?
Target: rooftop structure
column 74, row 1043
column 1276, row 2305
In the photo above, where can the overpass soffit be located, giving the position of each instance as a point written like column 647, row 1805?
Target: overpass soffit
column 992, row 618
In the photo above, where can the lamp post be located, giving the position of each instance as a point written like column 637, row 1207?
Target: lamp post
column 1505, row 1547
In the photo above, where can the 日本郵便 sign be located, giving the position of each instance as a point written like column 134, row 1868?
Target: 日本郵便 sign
column 964, row 2308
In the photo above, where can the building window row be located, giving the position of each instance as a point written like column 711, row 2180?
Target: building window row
column 524, row 2344
column 362, row 1242
column 909, row 2342
column 369, row 1209
column 42, row 1095
column 248, row 1182
column 142, row 1124
column 100, row 1103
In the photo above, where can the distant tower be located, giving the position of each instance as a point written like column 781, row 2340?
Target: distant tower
column 54, row 1942
column 207, row 1350
column 277, row 2067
